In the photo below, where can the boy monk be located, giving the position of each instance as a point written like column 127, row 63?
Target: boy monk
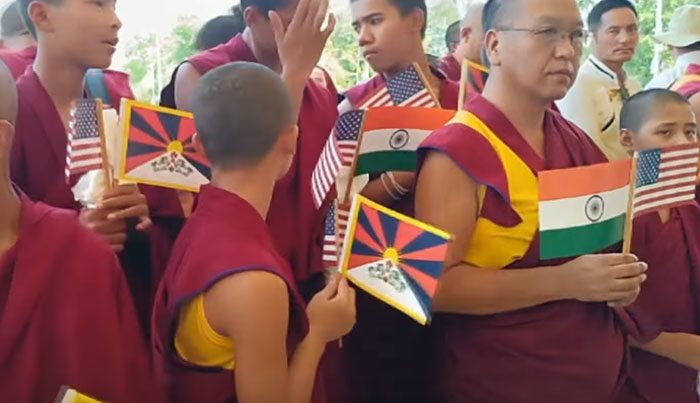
column 390, row 35
column 73, row 36
column 664, row 367
column 515, row 328
column 66, row 314
column 286, row 36
column 229, row 300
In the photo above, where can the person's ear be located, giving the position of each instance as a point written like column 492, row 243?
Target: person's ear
column 492, row 43
column 40, row 14
column 417, row 19
column 627, row 140
column 465, row 34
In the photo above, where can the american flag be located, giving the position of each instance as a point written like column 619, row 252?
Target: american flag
column 666, row 178
column 336, row 227
column 84, row 151
column 339, row 151
column 404, row 89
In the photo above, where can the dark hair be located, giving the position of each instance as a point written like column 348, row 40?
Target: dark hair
column 595, row 17
column 691, row 48
column 407, row 6
column 450, row 32
column 240, row 109
column 638, row 108
column 220, row 30
column 24, row 11
column 265, row 6
column 11, row 23
column 495, row 11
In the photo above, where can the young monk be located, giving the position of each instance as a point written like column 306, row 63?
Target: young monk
column 664, row 367
column 471, row 39
column 514, row 328
column 229, row 300
column 285, row 36
column 66, row 314
column 18, row 47
column 72, row 36
column 390, row 34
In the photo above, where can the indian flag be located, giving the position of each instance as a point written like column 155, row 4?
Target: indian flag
column 583, row 209
column 392, row 135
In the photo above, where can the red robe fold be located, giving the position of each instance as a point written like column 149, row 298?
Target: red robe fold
column 450, row 67
column 38, row 168
column 224, row 236
column 669, row 302
column 394, row 375
column 564, row 351
column 18, row 62
column 296, row 225
column 66, row 316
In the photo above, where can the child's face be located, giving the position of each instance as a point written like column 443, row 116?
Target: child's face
column 86, row 30
column 669, row 125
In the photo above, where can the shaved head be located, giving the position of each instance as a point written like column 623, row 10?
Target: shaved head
column 240, row 111
column 641, row 106
column 8, row 95
column 473, row 15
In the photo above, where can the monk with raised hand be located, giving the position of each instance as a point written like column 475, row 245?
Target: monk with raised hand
column 512, row 327
column 229, row 321
column 66, row 313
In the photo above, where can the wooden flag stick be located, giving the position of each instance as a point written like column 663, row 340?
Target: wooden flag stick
column 427, row 86
column 627, row 242
column 106, row 167
column 463, row 84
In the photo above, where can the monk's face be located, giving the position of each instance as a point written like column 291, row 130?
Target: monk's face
column 538, row 48
column 617, row 38
column 670, row 124
column 387, row 39
column 86, row 31
column 261, row 27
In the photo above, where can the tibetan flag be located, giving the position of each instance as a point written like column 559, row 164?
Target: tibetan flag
column 583, row 209
column 665, row 178
column 407, row 88
column 339, row 151
column 84, row 151
column 159, row 148
column 394, row 257
column 392, row 135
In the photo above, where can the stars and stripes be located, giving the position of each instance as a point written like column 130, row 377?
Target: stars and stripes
column 336, row 227
column 84, row 151
column 339, row 151
column 666, row 178
column 404, row 89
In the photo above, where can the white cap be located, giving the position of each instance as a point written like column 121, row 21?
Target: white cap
column 684, row 28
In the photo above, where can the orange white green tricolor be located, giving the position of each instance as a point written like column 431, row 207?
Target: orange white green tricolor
column 583, row 209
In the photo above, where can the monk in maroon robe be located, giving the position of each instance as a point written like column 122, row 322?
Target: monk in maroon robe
column 39, row 152
column 469, row 47
column 510, row 326
column 263, row 343
column 666, row 316
column 66, row 314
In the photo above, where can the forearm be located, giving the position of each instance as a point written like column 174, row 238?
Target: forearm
column 303, row 368
column 465, row 289
column 296, row 82
column 683, row 348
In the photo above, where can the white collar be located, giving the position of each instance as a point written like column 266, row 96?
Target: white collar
column 603, row 68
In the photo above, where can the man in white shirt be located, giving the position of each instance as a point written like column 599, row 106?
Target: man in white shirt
column 683, row 38
column 595, row 100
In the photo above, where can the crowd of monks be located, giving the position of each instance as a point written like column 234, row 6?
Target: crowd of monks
column 157, row 295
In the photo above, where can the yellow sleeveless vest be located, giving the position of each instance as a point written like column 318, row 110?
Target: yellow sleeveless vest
column 494, row 246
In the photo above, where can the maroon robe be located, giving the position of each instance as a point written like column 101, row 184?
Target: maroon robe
column 224, row 236
column 451, row 67
column 38, row 168
column 393, row 375
column 563, row 351
column 669, row 302
column 18, row 61
column 296, row 225
column 66, row 316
